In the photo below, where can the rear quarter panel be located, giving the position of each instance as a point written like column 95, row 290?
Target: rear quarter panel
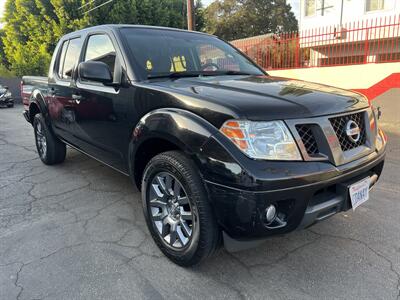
column 31, row 86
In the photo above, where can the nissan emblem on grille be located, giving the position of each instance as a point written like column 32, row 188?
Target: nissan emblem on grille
column 353, row 131
column 350, row 130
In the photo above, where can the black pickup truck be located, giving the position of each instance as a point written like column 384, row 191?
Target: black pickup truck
column 221, row 151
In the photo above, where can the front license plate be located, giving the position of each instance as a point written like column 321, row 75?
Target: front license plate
column 359, row 192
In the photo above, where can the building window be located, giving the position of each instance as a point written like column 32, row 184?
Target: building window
column 309, row 8
column 372, row 5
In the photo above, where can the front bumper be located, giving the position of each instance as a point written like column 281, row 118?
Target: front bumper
column 303, row 192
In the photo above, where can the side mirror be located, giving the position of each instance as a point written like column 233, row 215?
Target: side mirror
column 95, row 71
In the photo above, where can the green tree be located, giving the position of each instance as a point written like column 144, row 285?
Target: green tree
column 199, row 16
column 117, row 12
column 226, row 19
column 4, row 64
column 3, row 58
column 33, row 27
column 235, row 19
column 32, row 30
column 24, row 32
column 170, row 13
column 270, row 16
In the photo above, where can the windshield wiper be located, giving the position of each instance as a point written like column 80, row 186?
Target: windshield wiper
column 230, row 72
column 178, row 74
column 197, row 74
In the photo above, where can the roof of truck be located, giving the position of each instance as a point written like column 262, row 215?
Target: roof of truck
column 119, row 26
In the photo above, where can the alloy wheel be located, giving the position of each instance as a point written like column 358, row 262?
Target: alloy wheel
column 171, row 211
column 41, row 140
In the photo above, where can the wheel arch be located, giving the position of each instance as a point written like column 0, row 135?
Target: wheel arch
column 37, row 105
column 164, row 130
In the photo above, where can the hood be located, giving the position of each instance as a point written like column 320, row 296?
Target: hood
column 265, row 98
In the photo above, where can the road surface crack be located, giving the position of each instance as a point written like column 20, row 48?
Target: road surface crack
column 391, row 265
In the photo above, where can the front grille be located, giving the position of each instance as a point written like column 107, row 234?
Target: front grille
column 339, row 125
column 308, row 139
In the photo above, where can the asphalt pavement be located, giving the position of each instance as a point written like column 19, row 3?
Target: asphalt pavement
column 76, row 231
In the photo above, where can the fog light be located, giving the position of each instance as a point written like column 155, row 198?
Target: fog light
column 270, row 214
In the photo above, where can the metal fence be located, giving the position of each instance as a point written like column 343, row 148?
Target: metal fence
column 359, row 42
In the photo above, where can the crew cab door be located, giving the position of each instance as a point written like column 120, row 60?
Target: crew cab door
column 103, row 111
column 61, row 88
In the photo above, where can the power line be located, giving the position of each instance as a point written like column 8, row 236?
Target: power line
column 98, row 6
column 84, row 5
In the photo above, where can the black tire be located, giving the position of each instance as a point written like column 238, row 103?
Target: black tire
column 9, row 105
column 205, row 234
column 54, row 150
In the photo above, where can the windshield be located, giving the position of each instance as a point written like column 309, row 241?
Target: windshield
column 159, row 53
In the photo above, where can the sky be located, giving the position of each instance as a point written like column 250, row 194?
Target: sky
column 295, row 7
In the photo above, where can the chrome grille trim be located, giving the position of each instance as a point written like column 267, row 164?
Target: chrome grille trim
column 308, row 138
column 327, row 141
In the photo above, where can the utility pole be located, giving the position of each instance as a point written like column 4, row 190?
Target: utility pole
column 341, row 14
column 190, row 21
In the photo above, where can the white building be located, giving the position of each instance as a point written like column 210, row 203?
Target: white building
column 319, row 13
column 342, row 32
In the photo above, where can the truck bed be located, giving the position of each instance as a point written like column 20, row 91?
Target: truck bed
column 29, row 83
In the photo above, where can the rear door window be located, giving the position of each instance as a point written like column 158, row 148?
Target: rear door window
column 71, row 57
column 62, row 58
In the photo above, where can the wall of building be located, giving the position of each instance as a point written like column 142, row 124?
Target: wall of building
column 379, row 82
column 389, row 104
column 376, row 51
column 353, row 10
column 348, row 77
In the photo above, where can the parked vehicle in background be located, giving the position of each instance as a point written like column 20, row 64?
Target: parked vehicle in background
column 219, row 149
column 6, row 99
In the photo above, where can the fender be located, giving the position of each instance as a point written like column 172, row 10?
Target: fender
column 186, row 130
column 37, row 99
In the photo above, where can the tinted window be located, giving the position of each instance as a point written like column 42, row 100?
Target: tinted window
column 100, row 48
column 71, row 57
column 212, row 58
column 158, row 52
column 62, row 57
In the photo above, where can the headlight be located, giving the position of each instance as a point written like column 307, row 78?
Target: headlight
column 262, row 140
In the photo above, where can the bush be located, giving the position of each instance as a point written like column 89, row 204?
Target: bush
column 5, row 73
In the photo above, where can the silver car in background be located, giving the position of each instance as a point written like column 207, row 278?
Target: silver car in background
column 6, row 99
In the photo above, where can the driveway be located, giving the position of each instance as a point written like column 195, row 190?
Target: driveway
column 76, row 231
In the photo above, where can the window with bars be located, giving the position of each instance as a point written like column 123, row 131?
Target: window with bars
column 371, row 5
column 309, row 8
column 319, row 7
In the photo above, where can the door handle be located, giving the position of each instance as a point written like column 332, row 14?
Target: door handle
column 77, row 98
column 52, row 92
